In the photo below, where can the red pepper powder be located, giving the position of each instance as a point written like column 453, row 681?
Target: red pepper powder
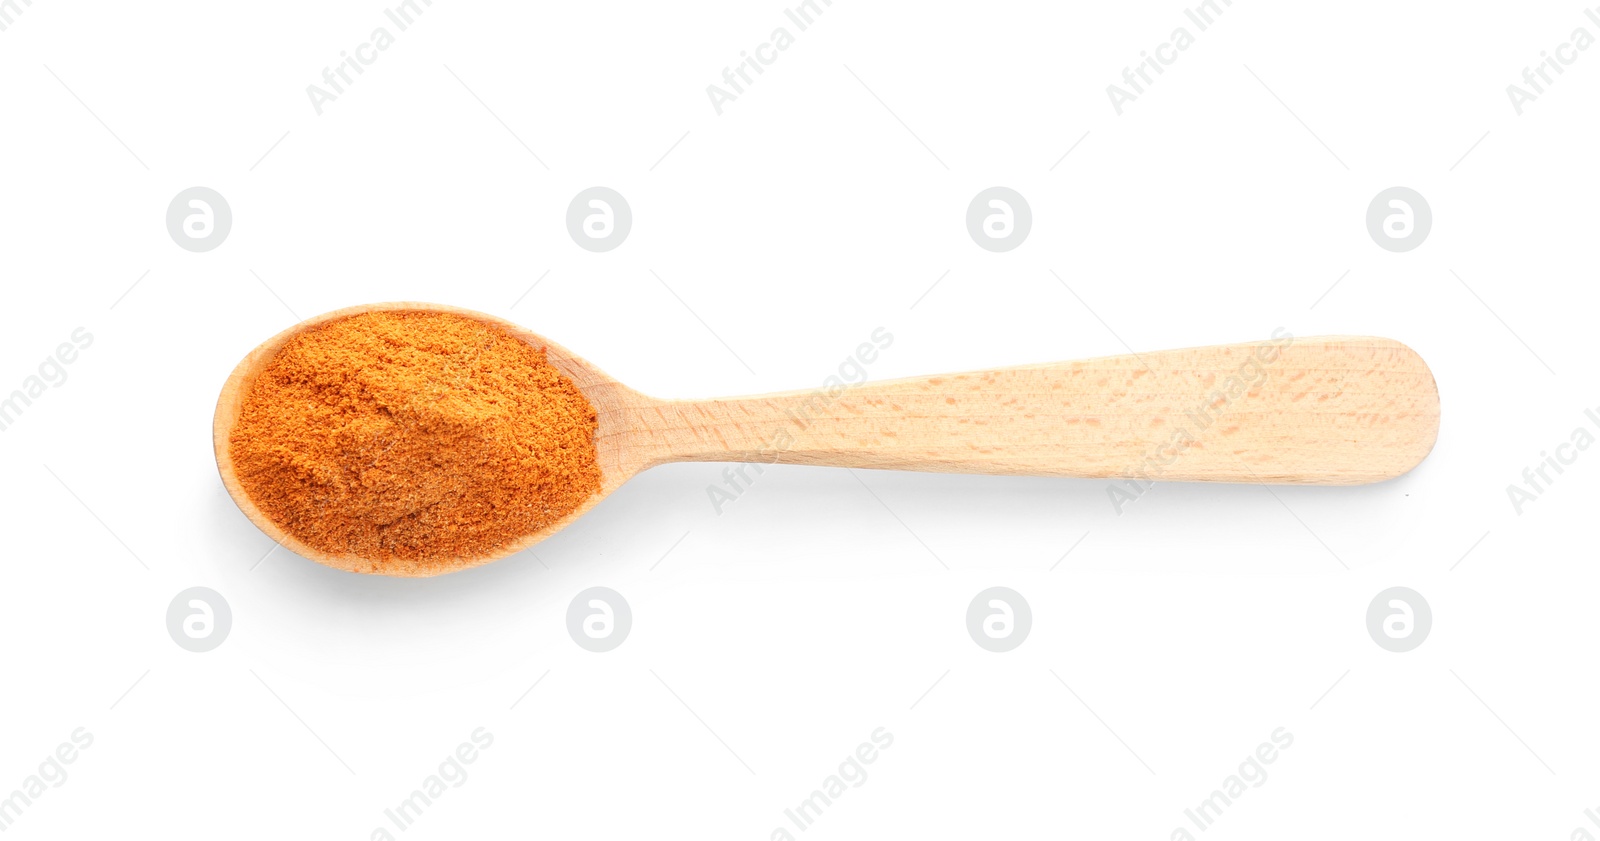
column 413, row 440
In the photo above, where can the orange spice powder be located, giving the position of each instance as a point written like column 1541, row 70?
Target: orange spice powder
column 413, row 440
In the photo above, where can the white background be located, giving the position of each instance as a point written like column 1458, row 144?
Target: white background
column 777, row 636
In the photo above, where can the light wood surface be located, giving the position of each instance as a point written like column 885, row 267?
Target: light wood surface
column 1332, row 410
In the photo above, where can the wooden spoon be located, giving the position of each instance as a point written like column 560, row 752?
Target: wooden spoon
column 1329, row 410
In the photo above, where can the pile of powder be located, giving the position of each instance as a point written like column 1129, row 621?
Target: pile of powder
column 413, row 440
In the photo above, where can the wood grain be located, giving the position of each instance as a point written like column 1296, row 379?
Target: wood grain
column 1325, row 410
column 1333, row 410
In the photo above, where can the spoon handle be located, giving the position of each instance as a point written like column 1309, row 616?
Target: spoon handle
column 1334, row 410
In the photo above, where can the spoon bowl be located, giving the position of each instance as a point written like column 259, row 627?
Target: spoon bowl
column 609, row 398
column 1334, row 410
